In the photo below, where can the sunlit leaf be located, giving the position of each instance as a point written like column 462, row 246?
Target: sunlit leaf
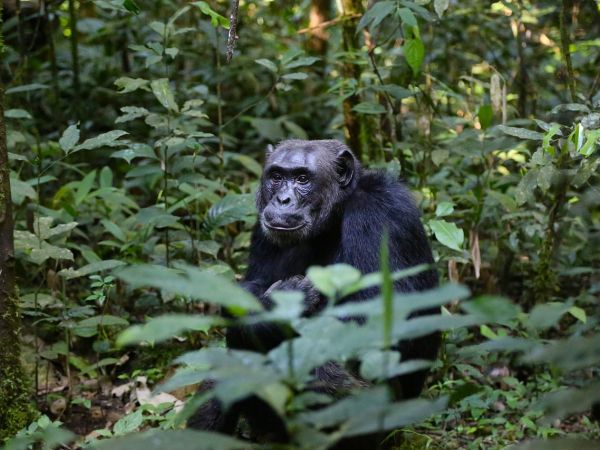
column 163, row 93
column 448, row 233
column 69, row 138
column 414, row 52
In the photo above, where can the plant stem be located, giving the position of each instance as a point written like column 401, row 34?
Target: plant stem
column 565, row 43
column 74, row 54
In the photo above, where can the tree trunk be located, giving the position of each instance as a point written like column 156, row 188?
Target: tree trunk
column 15, row 409
column 319, row 14
column 75, row 55
column 351, row 12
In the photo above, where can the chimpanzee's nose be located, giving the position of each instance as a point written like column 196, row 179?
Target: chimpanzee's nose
column 284, row 199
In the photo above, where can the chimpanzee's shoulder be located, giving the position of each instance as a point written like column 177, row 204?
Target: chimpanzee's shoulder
column 379, row 190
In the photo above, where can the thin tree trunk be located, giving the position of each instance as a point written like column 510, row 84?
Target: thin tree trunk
column 74, row 55
column 318, row 15
column 15, row 409
column 565, row 43
column 352, row 10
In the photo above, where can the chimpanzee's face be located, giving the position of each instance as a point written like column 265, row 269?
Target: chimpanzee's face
column 302, row 183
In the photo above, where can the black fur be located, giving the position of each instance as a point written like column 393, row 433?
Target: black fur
column 358, row 210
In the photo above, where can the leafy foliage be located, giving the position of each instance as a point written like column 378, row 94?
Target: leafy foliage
column 135, row 156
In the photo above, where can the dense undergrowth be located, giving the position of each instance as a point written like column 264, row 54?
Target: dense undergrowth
column 135, row 150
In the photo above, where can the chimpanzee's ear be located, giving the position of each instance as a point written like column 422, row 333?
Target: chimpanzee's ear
column 346, row 167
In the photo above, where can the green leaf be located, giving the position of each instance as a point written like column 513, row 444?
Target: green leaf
column 526, row 186
column 521, row 133
column 376, row 14
column 131, row 113
column 448, row 234
column 163, row 93
column 440, row 7
column 398, row 92
column 131, row 6
column 377, row 413
column 485, row 116
column 95, row 267
column 84, row 187
column 408, row 18
column 578, row 313
column 193, row 283
column 574, row 353
column 301, row 62
column 43, row 227
column 20, row 190
column 17, row 114
column 43, row 432
column 48, row 251
column 295, row 76
column 246, row 161
column 127, row 84
column 591, row 144
column 268, row 64
column 109, row 139
column 545, row 177
column 270, row 129
column 26, row 88
column 161, row 328
column 444, row 209
column 69, row 138
column 547, row 315
column 332, row 279
column 575, row 107
column 102, row 320
column 114, row 229
column 414, row 52
column 172, row 440
column 216, row 19
column 566, row 402
column 128, row 423
column 369, row 108
column 231, row 208
column 487, row 332
column 491, row 309
column 135, row 151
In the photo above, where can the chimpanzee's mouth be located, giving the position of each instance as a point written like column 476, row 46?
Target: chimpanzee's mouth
column 284, row 228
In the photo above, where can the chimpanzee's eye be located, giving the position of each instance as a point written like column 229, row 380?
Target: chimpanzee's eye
column 276, row 177
column 302, row 179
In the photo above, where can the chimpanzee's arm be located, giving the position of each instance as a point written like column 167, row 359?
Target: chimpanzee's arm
column 261, row 273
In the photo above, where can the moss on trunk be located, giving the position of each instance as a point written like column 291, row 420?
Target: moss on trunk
column 16, row 410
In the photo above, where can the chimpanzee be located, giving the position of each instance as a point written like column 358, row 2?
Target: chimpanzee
column 317, row 206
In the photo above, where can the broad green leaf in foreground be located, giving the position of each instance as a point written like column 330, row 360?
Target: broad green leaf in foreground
column 193, row 283
column 570, row 401
column 558, row 444
column 173, row 440
column 164, row 327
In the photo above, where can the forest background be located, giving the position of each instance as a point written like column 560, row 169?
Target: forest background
column 131, row 144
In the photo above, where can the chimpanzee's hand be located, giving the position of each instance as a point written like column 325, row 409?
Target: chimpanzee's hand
column 313, row 302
